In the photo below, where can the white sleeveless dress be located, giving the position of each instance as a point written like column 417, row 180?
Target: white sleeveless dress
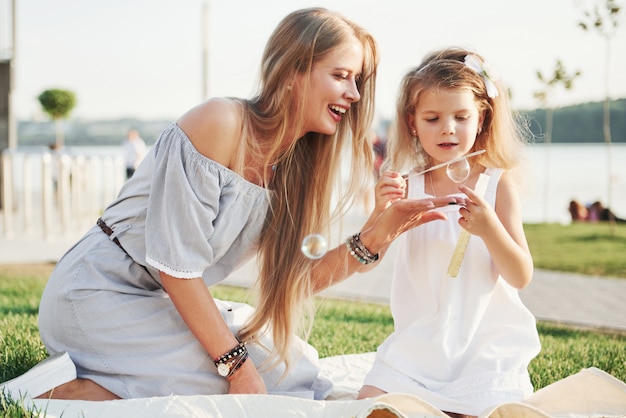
column 462, row 344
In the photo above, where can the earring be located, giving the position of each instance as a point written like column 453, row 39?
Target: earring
column 414, row 133
column 289, row 88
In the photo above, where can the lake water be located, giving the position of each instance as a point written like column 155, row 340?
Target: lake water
column 556, row 174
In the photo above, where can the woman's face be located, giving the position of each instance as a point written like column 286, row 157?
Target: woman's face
column 446, row 122
column 332, row 87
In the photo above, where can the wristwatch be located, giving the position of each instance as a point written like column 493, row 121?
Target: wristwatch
column 223, row 369
column 228, row 363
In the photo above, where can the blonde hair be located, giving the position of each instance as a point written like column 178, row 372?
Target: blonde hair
column 308, row 171
column 500, row 134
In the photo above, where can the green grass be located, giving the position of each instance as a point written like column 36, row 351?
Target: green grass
column 343, row 327
column 16, row 408
column 340, row 327
column 585, row 248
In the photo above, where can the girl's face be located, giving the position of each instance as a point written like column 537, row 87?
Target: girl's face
column 446, row 122
column 332, row 87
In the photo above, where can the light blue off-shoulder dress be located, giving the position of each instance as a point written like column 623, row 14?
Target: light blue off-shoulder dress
column 188, row 216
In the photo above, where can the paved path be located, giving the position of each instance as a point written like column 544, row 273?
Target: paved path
column 552, row 296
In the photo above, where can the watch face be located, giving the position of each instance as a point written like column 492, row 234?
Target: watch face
column 223, row 369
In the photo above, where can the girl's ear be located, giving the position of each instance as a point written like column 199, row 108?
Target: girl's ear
column 411, row 123
column 481, row 120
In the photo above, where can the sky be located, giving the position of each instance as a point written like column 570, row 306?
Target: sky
column 143, row 58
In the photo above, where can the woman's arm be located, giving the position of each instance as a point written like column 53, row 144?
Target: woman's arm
column 198, row 309
column 378, row 234
column 214, row 129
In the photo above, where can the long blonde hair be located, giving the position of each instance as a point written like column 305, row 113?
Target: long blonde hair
column 308, row 171
column 500, row 133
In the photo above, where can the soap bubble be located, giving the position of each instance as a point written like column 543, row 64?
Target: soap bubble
column 314, row 246
column 458, row 171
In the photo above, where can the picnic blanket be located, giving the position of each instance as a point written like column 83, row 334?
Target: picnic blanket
column 589, row 393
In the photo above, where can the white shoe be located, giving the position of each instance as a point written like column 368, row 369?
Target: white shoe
column 45, row 376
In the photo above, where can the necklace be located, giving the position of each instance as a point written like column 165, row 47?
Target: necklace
column 432, row 186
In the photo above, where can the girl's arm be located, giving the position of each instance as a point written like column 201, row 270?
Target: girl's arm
column 196, row 306
column 502, row 231
column 389, row 188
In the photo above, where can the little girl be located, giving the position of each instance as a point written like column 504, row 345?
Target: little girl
column 460, row 343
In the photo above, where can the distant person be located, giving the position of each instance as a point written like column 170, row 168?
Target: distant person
column 134, row 151
column 578, row 211
column 460, row 343
column 380, row 151
column 593, row 212
column 597, row 212
column 54, row 164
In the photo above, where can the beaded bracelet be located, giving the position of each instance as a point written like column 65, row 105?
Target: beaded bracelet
column 229, row 362
column 359, row 251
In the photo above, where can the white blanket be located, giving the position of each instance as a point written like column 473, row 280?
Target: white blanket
column 589, row 393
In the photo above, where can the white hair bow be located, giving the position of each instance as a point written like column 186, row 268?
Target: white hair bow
column 483, row 68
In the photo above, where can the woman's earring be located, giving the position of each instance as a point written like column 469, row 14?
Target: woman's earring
column 289, row 88
column 414, row 133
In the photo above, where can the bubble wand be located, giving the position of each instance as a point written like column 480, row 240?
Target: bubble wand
column 451, row 163
column 461, row 245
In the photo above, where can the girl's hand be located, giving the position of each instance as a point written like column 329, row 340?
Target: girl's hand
column 477, row 216
column 501, row 230
column 247, row 380
column 390, row 188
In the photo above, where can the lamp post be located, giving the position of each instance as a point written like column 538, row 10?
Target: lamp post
column 8, row 137
column 205, row 49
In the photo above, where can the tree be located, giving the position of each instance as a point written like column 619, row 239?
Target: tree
column 559, row 76
column 57, row 104
column 605, row 19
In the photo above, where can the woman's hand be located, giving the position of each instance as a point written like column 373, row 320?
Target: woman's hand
column 198, row 309
column 400, row 216
column 247, row 380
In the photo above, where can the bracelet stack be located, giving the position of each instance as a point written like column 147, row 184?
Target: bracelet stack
column 359, row 251
column 228, row 363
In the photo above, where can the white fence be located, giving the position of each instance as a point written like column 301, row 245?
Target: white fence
column 49, row 194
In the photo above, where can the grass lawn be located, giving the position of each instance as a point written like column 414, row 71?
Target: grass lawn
column 585, row 248
column 341, row 327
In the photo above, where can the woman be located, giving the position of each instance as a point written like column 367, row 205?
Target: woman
column 232, row 178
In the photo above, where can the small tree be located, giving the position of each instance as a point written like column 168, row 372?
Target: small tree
column 57, row 104
column 559, row 76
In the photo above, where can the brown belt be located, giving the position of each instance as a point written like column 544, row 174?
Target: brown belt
column 107, row 230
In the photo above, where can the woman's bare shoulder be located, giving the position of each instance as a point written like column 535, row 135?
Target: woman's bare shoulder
column 214, row 128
